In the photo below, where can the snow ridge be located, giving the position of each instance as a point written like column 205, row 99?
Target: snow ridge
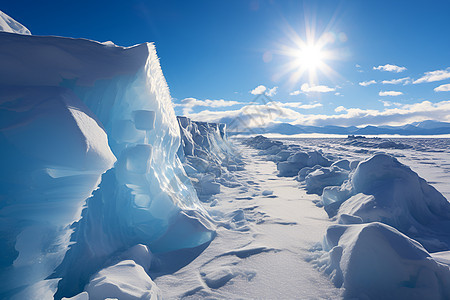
column 8, row 24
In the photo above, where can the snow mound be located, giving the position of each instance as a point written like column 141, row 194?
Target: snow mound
column 69, row 108
column 375, row 261
column 114, row 282
column 289, row 160
column 317, row 180
column 126, row 279
column 8, row 24
column 299, row 160
column 383, row 189
column 262, row 143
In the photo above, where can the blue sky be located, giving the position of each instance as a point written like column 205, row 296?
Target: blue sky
column 218, row 55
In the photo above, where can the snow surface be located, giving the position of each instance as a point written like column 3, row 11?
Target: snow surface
column 365, row 256
column 265, row 229
column 8, row 24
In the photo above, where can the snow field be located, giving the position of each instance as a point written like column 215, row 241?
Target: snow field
column 367, row 256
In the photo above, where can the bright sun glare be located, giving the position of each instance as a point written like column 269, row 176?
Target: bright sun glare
column 307, row 57
column 310, row 57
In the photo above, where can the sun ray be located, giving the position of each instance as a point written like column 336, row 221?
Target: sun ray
column 308, row 57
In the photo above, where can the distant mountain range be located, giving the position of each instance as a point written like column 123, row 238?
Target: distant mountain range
column 417, row 128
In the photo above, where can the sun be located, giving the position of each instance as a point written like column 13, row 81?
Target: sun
column 309, row 57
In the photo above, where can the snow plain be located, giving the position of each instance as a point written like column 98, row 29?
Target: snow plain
column 270, row 241
column 265, row 229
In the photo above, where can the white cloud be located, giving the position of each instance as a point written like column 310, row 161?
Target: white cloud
column 432, row 76
column 404, row 80
column 302, row 106
column 443, row 88
column 389, row 93
column 389, row 103
column 316, row 88
column 189, row 103
column 340, row 109
column 390, row 68
column 366, row 83
column 299, row 105
column 403, row 114
column 258, row 115
column 272, row 92
column 260, row 89
column 306, row 88
column 252, row 115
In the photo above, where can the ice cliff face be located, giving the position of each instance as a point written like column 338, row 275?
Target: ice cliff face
column 69, row 109
column 54, row 153
column 207, row 156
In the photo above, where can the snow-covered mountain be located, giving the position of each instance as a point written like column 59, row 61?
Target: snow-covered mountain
column 429, row 127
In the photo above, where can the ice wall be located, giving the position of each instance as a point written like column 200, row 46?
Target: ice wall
column 117, row 105
column 207, row 156
column 53, row 154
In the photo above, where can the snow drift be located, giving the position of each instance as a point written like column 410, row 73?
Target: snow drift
column 317, row 179
column 388, row 219
column 375, row 261
column 383, row 189
column 289, row 159
column 69, row 108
